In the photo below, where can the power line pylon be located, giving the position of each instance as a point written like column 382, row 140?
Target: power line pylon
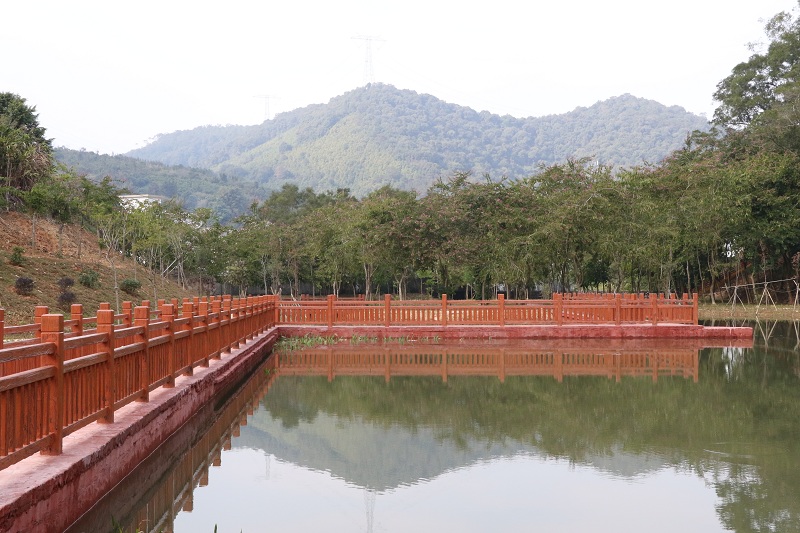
column 266, row 98
column 369, row 73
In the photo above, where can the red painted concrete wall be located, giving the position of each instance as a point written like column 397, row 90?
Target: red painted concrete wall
column 604, row 331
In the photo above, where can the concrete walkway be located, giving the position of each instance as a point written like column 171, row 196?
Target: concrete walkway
column 48, row 493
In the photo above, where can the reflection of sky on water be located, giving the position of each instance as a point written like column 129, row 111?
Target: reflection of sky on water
column 636, row 456
column 254, row 492
column 733, row 359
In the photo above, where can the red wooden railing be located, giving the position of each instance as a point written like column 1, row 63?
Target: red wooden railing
column 61, row 382
column 567, row 309
column 59, row 375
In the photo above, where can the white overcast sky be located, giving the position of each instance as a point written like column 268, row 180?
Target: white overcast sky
column 108, row 75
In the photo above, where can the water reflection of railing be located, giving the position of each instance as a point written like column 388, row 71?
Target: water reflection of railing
column 156, row 512
column 449, row 360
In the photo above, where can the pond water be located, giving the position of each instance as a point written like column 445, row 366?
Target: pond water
column 710, row 446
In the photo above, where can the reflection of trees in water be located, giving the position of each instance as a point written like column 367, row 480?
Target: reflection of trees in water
column 737, row 428
column 750, row 502
column 781, row 339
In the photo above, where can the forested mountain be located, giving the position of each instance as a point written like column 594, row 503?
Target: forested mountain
column 379, row 135
column 192, row 187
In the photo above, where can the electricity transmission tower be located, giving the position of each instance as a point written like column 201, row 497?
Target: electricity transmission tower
column 266, row 98
column 369, row 73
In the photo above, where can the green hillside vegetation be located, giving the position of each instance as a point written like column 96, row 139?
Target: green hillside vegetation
column 379, row 135
column 193, row 187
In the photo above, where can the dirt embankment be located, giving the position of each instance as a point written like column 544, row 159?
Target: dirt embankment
column 16, row 229
column 47, row 262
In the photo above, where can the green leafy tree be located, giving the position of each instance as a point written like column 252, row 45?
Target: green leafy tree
column 384, row 231
column 25, row 153
column 58, row 197
column 763, row 92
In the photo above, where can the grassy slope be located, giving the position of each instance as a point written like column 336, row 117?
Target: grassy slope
column 45, row 267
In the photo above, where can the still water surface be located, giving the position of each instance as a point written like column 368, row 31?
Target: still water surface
column 479, row 453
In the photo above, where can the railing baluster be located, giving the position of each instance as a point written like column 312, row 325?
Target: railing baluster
column 53, row 332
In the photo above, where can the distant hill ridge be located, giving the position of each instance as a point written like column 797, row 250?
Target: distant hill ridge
column 378, row 134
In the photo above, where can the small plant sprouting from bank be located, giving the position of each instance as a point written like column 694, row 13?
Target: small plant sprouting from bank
column 287, row 344
column 361, row 339
column 16, row 258
column 130, row 286
column 65, row 283
column 24, row 286
column 89, row 279
column 66, row 299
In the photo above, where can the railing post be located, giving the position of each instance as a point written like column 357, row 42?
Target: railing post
column 38, row 312
column 558, row 307
column 269, row 313
column 216, row 311
column 501, row 308
column 444, row 309
column 695, row 310
column 52, row 330
column 76, row 315
column 188, row 313
column 236, row 321
column 253, row 309
column 105, row 324
column 141, row 318
column 330, row 310
column 204, row 345
column 168, row 316
column 618, row 309
column 127, row 312
column 387, row 309
column 250, row 313
column 654, row 304
column 2, row 326
column 234, row 302
column 226, row 329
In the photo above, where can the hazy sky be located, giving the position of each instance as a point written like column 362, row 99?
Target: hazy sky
column 109, row 75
